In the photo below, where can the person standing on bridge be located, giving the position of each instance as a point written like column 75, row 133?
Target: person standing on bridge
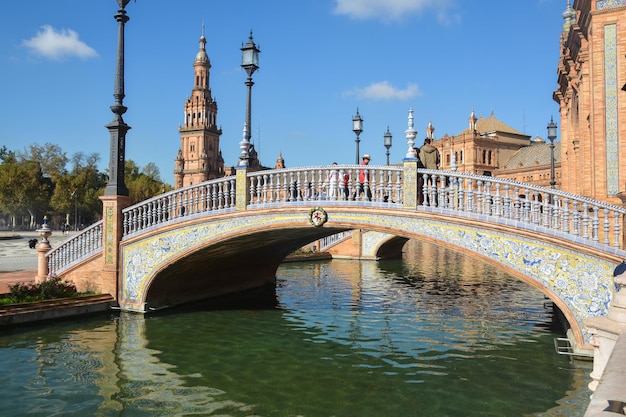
column 429, row 155
column 364, row 179
column 420, row 178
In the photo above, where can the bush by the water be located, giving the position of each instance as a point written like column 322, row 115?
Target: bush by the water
column 53, row 287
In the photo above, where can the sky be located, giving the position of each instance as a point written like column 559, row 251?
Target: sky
column 320, row 61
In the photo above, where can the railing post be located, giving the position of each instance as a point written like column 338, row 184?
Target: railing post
column 411, row 191
column 243, row 188
column 622, row 197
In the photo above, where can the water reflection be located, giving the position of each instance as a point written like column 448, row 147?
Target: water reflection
column 344, row 338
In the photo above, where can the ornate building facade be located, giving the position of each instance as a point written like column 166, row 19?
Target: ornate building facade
column 591, row 77
column 482, row 148
column 199, row 157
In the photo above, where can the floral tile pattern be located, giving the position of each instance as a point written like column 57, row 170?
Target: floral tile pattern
column 584, row 283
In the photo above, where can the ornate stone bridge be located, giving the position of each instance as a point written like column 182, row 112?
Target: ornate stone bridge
column 231, row 234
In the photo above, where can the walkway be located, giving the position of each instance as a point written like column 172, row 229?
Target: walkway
column 18, row 263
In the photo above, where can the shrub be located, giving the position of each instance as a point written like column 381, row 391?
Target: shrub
column 52, row 288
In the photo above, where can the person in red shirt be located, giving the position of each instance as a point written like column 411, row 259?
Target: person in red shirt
column 364, row 179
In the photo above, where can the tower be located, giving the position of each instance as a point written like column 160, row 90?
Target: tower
column 591, row 105
column 199, row 157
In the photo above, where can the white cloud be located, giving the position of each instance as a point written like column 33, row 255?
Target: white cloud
column 392, row 10
column 383, row 90
column 53, row 44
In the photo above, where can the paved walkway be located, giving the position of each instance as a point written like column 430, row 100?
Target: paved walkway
column 18, row 263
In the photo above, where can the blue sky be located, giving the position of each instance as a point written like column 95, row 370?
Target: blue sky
column 319, row 61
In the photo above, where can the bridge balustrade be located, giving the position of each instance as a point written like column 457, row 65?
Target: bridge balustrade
column 329, row 183
column 214, row 195
column 80, row 246
column 458, row 193
column 328, row 241
column 526, row 206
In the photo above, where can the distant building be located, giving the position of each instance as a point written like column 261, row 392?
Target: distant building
column 531, row 164
column 199, row 157
column 482, row 148
column 491, row 147
column 592, row 104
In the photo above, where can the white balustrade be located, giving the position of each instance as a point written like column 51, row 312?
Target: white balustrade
column 449, row 192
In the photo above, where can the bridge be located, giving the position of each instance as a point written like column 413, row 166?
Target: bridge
column 232, row 233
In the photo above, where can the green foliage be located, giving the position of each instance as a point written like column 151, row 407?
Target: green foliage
column 50, row 289
column 36, row 182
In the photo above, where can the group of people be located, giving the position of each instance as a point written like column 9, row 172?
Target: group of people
column 332, row 181
column 427, row 157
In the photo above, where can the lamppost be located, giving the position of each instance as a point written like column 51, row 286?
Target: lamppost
column 357, row 128
column 552, row 136
column 387, row 142
column 118, row 128
column 249, row 62
column 74, row 195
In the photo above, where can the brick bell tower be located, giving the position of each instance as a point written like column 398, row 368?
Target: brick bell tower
column 199, row 157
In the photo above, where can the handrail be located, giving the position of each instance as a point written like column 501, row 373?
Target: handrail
column 210, row 196
column 78, row 247
column 331, row 183
column 576, row 217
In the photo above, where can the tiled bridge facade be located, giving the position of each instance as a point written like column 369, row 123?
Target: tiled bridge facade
column 231, row 234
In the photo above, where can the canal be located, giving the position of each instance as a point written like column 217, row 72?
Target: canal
column 434, row 334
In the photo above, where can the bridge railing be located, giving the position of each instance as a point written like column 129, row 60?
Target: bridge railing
column 382, row 184
column 213, row 195
column 489, row 199
column 76, row 248
column 525, row 204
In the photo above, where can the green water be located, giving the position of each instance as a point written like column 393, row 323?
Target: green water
column 335, row 338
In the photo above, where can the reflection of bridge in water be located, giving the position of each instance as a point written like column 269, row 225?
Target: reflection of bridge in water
column 231, row 234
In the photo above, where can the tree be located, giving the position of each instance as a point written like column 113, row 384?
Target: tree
column 52, row 158
column 142, row 184
column 23, row 190
column 77, row 193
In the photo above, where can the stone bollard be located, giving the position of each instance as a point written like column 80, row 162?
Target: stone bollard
column 42, row 248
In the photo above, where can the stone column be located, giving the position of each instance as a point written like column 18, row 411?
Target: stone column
column 42, row 261
column 112, row 232
column 42, row 248
column 410, row 180
column 243, row 188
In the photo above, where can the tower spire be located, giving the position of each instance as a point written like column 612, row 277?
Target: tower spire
column 200, row 159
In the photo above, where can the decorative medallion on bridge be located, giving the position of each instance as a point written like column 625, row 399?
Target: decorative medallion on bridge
column 318, row 216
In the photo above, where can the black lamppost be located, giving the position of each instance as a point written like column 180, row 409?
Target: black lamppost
column 552, row 136
column 75, row 196
column 249, row 62
column 117, row 128
column 387, row 142
column 357, row 128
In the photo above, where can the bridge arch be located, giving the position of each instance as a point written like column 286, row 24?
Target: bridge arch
column 239, row 250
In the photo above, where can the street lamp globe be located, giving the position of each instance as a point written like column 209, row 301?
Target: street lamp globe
column 250, row 56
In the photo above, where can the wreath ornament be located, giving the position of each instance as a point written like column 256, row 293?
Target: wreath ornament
column 318, row 216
